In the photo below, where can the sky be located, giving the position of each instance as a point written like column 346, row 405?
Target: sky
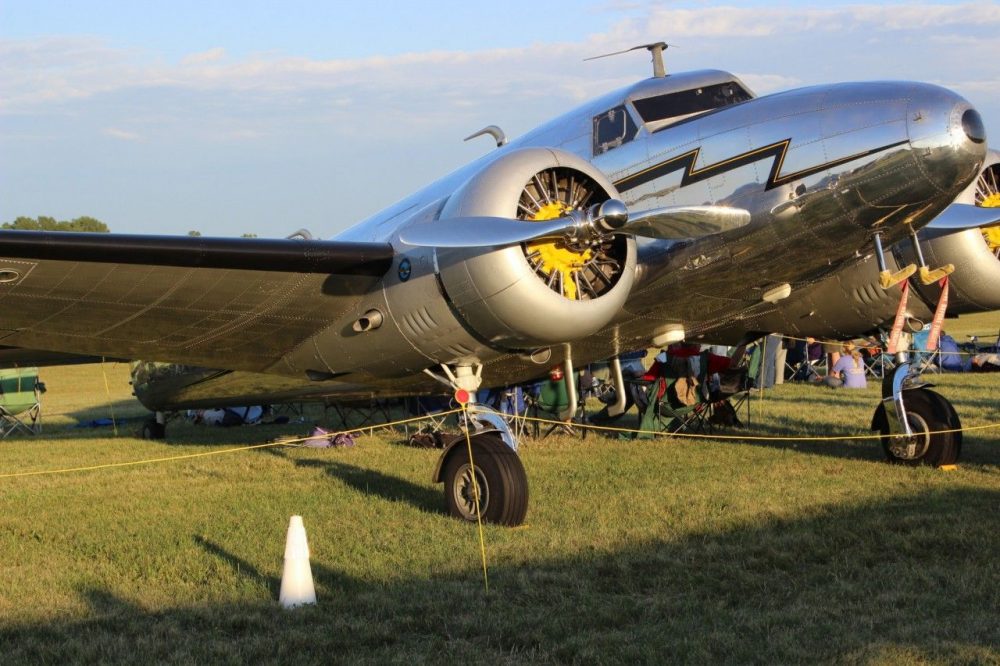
column 266, row 117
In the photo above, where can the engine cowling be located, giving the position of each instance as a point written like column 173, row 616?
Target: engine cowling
column 540, row 292
column 975, row 284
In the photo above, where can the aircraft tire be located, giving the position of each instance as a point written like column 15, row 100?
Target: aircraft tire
column 928, row 413
column 151, row 429
column 503, row 484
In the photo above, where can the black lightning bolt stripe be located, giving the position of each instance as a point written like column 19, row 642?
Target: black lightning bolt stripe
column 776, row 151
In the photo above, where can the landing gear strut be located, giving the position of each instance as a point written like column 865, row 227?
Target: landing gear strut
column 912, row 420
column 493, row 477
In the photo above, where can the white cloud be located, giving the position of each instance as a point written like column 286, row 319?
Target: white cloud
column 762, row 84
column 117, row 133
column 202, row 57
column 986, row 86
column 45, row 72
column 732, row 21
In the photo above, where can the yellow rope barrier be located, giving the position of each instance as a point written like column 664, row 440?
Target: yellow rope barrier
column 205, row 454
column 111, row 404
column 146, row 461
column 770, row 438
column 475, row 492
column 868, row 345
column 589, row 426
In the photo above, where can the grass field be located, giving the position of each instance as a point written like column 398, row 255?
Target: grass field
column 665, row 551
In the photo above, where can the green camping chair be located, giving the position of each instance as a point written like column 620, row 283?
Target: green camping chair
column 662, row 412
column 20, row 401
column 742, row 398
column 550, row 402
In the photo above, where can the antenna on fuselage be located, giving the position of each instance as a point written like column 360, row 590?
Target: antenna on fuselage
column 491, row 130
column 656, row 49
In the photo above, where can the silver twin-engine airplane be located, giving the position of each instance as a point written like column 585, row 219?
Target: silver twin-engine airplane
column 679, row 207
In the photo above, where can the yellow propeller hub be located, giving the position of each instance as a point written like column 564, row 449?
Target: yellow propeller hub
column 554, row 256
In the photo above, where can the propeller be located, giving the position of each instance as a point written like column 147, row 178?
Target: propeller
column 670, row 223
column 965, row 216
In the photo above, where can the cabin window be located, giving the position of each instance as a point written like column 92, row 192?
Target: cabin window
column 612, row 129
column 686, row 102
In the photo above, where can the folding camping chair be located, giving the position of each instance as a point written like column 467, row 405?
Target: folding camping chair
column 511, row 402
column 922, row 359
column 20, row 401
column 549, row 399
column 879, row 363
column 741, row 397
column 670, row 405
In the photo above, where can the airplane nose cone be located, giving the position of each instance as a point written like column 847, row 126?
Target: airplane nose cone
column 947, row 136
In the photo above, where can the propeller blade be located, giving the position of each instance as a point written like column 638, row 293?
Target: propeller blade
column 683, row 222
column 965, row 216
column 481, row 231
column 673, row 223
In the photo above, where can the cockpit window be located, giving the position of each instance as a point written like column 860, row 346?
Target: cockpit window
column 612, row 129
column 686, row 102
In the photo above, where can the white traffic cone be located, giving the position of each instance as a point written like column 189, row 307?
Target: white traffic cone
column 296, row 580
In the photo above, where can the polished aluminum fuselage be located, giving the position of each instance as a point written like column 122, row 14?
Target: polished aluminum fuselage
column 820, row 169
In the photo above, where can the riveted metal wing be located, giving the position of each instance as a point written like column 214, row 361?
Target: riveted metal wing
column 240, row 304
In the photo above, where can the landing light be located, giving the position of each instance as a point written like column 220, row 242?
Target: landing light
column 775, row 294
column 671, row 335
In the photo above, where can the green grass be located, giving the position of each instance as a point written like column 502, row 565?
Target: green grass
column 665, row 551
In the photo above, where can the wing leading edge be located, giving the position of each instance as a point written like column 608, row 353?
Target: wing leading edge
column 259, row 254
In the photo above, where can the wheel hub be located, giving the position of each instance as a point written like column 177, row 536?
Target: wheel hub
column 465, row 491
column 914, row 446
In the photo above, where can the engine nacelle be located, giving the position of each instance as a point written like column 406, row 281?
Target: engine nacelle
column 975, row 284
column 540, row 292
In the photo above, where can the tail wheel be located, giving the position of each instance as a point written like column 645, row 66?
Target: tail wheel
column 928, row 414
column 577, row 270
column 495, row 477
column 988, row 196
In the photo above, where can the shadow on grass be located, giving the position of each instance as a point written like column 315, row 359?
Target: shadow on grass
column 978, row 447
column 907, row 579
column 324, row 578
column 240, row 566
column 864, row 449
column 371, row 482
column 858, row 449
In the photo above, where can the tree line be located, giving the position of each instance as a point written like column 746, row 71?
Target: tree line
column 84, row 223
column 44, row 223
